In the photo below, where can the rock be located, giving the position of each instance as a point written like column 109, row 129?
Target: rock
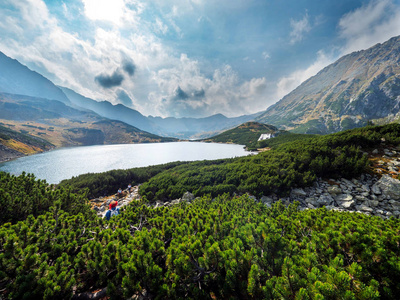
column 347, row 204
column 159, row 204
column 364, row 208
column 396, row 205
column 266, row 200
column 375, row 151
column 176, row 201
column 365, row 188
column 344, row 197
column 396, row 213
column 325, row 199
column 253, row 198
column 389, row 186
column 310, row 200
column 361, row 198
column 334, row 190
column 376, row 190
column 298, row 192
column 373, row 203
column 188, row 197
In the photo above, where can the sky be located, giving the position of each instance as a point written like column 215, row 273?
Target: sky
column 190, row 58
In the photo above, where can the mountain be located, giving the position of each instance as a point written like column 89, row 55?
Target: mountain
column 357, row 88
column 184, row 128
column 110, row 111
column 16, row 78
column 61, row 125
column 196, row 128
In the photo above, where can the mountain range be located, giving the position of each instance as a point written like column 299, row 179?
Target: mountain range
column 360, row 87
column 17, row 79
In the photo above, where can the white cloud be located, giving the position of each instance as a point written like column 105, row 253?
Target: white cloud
column 104, row 10
column 370, row 24
column 265, row 55
column 299, row 28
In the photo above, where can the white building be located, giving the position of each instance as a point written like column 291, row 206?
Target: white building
column 266, row 136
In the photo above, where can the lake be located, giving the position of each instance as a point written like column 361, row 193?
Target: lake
column 56, row 165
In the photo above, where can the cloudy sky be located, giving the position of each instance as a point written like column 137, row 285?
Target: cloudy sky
column 189, row 58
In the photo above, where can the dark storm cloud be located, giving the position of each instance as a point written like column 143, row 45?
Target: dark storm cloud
column 124, row 98
column 180, row 94
column 109, row 81
column 129, row 67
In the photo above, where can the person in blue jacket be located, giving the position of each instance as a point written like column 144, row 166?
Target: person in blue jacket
column 113, row 211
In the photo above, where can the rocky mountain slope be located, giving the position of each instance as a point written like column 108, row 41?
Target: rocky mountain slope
column 357, row 88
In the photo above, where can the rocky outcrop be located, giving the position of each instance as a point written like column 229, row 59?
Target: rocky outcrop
column 368, row 194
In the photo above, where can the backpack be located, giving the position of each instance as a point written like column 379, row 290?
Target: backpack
column 114, row 212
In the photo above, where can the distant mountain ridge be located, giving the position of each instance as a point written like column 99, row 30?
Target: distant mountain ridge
column 17, row 79
column 357, row 88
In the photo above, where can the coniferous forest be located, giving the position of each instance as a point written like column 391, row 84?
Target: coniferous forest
column 222, row 245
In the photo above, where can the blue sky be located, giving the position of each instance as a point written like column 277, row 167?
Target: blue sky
column 190, row 58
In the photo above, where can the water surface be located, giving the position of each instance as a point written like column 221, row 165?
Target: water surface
column 56, row 165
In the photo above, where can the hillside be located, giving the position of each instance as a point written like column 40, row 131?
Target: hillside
column 245, row 134
column 357, row 88
column 61, row 125
column 230, row 246
column 15, row 144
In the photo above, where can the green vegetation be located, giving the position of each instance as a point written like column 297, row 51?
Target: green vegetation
column 245, row 134
column 227, row 247
column 107, row 183
column 288, row 165
column 21, row 196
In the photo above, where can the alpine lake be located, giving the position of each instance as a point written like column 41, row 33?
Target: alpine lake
column 57, row 165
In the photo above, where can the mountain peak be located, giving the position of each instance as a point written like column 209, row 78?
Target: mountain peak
column 358, row 87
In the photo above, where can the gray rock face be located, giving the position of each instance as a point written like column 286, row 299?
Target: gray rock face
column 390, row 185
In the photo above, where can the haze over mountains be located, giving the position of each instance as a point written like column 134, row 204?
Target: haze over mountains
column 357, row 88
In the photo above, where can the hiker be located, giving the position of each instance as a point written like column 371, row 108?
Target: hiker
column 129, row 187
column 113, row 211
column 119, row 193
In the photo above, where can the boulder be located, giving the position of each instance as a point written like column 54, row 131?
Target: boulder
column 389, row 186
column 266, row 200
column 188, row 197
column 364, row 208
column 334, row 190
column 325, row 199
column 298, row 192
column 347, row 204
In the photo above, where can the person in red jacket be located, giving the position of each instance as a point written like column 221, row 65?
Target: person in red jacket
column 113, row 211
